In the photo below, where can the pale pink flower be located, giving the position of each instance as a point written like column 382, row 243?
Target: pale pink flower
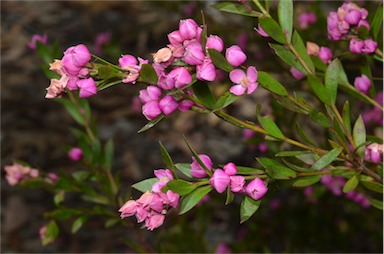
column 55, row 89
column 235, row 55
column 128, row 209
column 162, row 55
column 17, row 173
column 312, row 48
column 154, row 221
column 243, row 82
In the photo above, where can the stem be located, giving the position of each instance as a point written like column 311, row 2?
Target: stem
column 379, row 53
column 261, row 8
column 340, row 120
column 115, row 190
column 108, row 63
column 372, row 174
column 292, row 48
column 369, row 99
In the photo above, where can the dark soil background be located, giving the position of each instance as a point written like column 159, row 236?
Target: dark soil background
column 35, row 130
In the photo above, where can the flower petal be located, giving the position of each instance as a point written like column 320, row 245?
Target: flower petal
column 252, row 74
column 236, row 76
column 237, row 90
column 252, row 87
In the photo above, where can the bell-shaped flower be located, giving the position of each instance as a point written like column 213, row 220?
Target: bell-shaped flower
column 178, row 77
column 214, row 42
column 193, row 54
column 235, row 56
column 219, row 180
column 126, row 62
column 362, row 83
column 156, row 203
column 237, row 183
column 154, row 221
column 230, row 169
column 168, row 105
column 353, row 17
column 141, row 213
column 55, row 89
column 197, row 171
column 87, row 87
column 128, row 209
column 175, row 38
column 173, row 198
column 75, row 154
column 151, row 110
column 185, row 105
column 243, row 82
column 188, row 29
column 206, row 71
column 256, row 189
column 69, row 65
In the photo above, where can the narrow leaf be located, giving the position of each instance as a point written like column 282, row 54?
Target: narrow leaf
column 184, row 168
column 332, row 80
column 78, row 223
column 148, row 74
column 272, row 28
column 230, row 195
column 306, row 181
column 249, row 171
column 73, row 110
column 373, row 186
column 319, row 89
column 196, row 156
column 319, row 118
column 376, row 203
column 248, row 207
column 271, row 84
column 327, row 159
column 269, row 125
column 193, row 198
column 359, row 136
column 204, row 94
column 302, row 51
column 297, row 168
column 145, row 185
column 377, row 22
column 51, row 233
column 285, row 14
column 236, row 8
column 351, row 184
column 167, row 159
column 219, row 60
column 291, row 153
column 276, row 170
column 225, row 100
column 59, row 197
column 151, row 124
column 108, row 154
column 287, row 56
column 111, row 222
column 181, row 187
column 347, row 116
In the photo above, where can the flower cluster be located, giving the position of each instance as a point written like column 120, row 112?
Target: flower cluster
column 17, row 173
column 349, row 18
column 227, row 176
column 153, row 205
column 74, row 73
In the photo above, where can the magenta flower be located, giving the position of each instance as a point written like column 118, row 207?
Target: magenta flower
column 37, row 38
column 101, row 40
column 197, row 171
column 219, row 180
column 222, row 248
column 235, row 56
column 215, row 42
column 325, row 55
column 256, row 189
column 168, row 105
column 261, row 31
column 296, row 74
column 193, row 54
column 172, row 198
column 151, row 93
column 369, row 46
column 178, row 77
column 243, row 82
column 80, row 55
column 87, row 87
column 353, row 17
column 230, row 169
column 127, row 62
column 188, row 29
column 151, row 110
column 185, row 105
column 75, row 154
column 175, row 38
column 305, row 19
column 356, row 46
column 373, row 152
column 237, row 183
column 206, row 71
column 362, row 83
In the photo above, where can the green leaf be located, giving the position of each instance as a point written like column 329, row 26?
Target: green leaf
column 225, row 100
column 73, row 110
column 184, row 168
column 108, row 154
column 359, row 136
column 271, row 84
column 319, row 118
column 96, row 199
column 196, row 156
column 111, row 222
column 219, row 60
column 145, row 185
column 248, row 207
column 269, row 125
column 343, row 78
column 377, row 22
column 204, row 94
column 236, row 8
column 373, row 186
column 276, row 170
column 78, row 223
column 167, row 159
column 151, row 124
column 272, row 28
column 327, row 159
column 347, row 117
column 61, row 214
column 319, row 89
column 376, row 203
column 148, row 74
column 285, row 14
column 297, row 168
column 287, row 103
column 81, row 175
column 291, row 153
column 299, row 45
column 106, row 72
column 332, row 80
column 51, row 233
column 306, row 181
column 287, row 56
column 230, row 196
column 249, row 171
column 181, row 187
column 59, row 197
column 318, row 63
column 193, row 198
column 351, row 184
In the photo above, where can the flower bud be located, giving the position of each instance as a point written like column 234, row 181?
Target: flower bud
column 312, row 48
column 154, row 221
column 235, row 56
column 75, row 154
column 32, row 44
column 369, row 46
column 362, row 83
column 128, row 209
column 230, row 169
column 188, row 29
column 69, row 65
column 193, row 54
column 325, row 55
column 206, row 71
column 365, row 23
column 178, row 77
column 168, row 105
column 355, row 46
column 81, row 55
column 127, row 61
column 185, row 105
column 175, row 38
column 197, row 171
column 162, row 55
column 261, row 31
column 215, row 42
column 87, row 87
column 172, row 198
column 151, row 93
column 296, row 74
column 151, row 110
column 237, row 183
column 353, row 17
column 256, row 189
column 219, row 180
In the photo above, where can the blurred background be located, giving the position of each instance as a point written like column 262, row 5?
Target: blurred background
column 35, row 130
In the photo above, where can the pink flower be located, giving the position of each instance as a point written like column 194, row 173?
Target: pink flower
column 188, row 29
column 261, row 31
column 369, row 47
column 356, row 46
column 101, row 39
column 306, row 19
column 87, row 87
column 235, row 56
column 325, row 55
column 151, row 110
column 215, row 42
column 156, row 203
column 230, row 169
column 141, row 214
column 362, row 83
column 175, row 38
column 79, row 54
column 193, row 54
column 334, row 184
column 128, row 209
column 353, row 17
column 17, row 173
column 243, row 82
column 237, row 183
column 206, row 71
column 168, row 105
column 185, row 105
column 151, row 93
column 178, row 77
column 75, row 154
column 37, row 38
column 197, row 171
column 256, row 189
column 365, row 23
column 312, row 48
column 373, row 152
column 127, row 62
column 42, row 232
column 55, row 89
column 172, row 198
column 164, row 176
column 219, row 180
column 162, row 55
column 154, row 221
column 296, row 74
column 69, row 65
